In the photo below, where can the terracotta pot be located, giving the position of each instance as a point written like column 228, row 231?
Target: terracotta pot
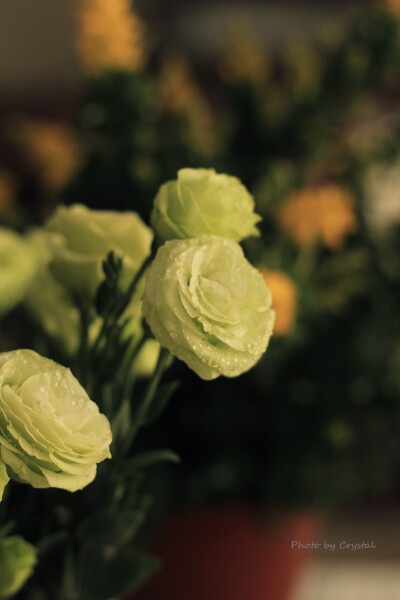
column 230, row 552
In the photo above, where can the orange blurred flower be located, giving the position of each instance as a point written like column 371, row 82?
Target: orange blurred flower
column 322, row 213
column 109, row 36
column 51, row 148
column 181, row 95
column 284, row 299
column 243, row 58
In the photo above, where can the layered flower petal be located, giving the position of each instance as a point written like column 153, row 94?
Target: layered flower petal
column 207, row 305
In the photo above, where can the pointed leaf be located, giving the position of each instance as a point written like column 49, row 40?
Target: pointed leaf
column 160, row 400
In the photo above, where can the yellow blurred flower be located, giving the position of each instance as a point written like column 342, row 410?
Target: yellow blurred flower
column 109, row 36
column 243, row 58
column 322, row 213
column 51, row 148
column 284, row 299
column 181, row 95
column 7, row 191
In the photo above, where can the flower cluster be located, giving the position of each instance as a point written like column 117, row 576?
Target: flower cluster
column 202, row 299
column 89, row 278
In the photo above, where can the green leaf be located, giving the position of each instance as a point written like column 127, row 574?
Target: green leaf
column 114, row 575
column 111, row 528
column 160, row 400
column 146, row 459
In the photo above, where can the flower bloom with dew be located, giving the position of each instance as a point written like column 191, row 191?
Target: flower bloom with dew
column 284, row 299
column 109, row 36
column 85, row 237
column 208, row 306
column 52, row 149
column 323, row 213
column 18, row 266
column 201, row 201
column 17, row 561
column 51, row 433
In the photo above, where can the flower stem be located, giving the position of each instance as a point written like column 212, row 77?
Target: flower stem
column 107, row 322
column 149, row 394
column 83, row 345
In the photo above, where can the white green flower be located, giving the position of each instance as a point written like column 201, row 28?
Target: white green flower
column 18, row 265
column 201, row 201
column 207, row 305
column 85, row 237
column 17, row 561
column 4, row 478
column 51, row 433
column 52, row 307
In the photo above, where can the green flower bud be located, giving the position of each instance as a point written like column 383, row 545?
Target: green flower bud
column 18, row 264
column 146, row 360
column 84, row 239
column 207, row 305
column 51, row 433
column 17, row 561
column 201, row 201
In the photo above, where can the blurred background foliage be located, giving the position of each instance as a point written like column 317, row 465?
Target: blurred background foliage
column 313, row 129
